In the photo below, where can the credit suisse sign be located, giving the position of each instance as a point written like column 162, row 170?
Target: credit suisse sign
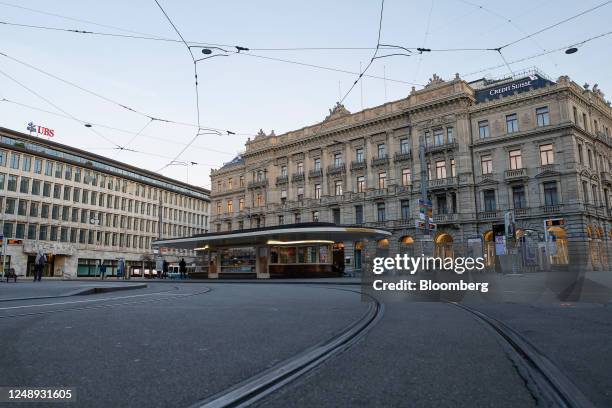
column 508, row 88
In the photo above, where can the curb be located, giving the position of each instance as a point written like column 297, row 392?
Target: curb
column 81, row 292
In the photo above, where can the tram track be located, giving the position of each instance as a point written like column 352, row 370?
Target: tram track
column 547, row 383
column 167, row 293
column 263, row 384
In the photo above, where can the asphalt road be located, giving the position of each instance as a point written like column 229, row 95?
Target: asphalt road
column 173, row 344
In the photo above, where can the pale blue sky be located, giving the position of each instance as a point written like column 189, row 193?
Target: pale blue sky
column 244, row 93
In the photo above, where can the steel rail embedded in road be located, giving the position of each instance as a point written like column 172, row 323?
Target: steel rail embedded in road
column 170, row 296
column 263, row 384
column 543, row 377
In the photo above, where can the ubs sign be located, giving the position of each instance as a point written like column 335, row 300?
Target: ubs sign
column 520, row 85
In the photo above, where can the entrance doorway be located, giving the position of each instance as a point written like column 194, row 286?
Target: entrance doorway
column 444, row 245
column 48, row 268
column 338, row 257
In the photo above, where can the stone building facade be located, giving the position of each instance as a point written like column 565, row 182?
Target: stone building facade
column 540, row 148
column 82, row 209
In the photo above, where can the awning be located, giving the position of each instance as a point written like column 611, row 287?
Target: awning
column 284, row 233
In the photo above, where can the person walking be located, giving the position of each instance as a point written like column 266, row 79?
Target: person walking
column 183, row 268
column 102, row 270
column 165, row 269
column 39, row 264
column 121, row 269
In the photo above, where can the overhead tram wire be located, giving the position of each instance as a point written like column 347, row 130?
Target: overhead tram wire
column 418, row 68
column 109, row 127
column 197, row 94
column 100, row 96
column 58, row 108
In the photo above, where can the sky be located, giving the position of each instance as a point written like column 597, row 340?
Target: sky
column 245, row 93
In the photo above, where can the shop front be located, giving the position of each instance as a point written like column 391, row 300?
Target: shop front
column 305, row 250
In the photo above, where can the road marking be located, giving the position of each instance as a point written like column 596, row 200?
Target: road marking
column 81, row 301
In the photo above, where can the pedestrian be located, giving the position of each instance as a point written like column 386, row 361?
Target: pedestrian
column 102, row 270
column 39, row 264
column 165, row 269
column 11, row 273
column 183, row 268
column 121, row 269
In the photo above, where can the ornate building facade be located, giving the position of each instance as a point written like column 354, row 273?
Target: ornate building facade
column 541, row 149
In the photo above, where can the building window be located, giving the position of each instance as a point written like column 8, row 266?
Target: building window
column 360, row 184
column 338, row 187
column 300, row 167
column 27, row 163
column 300, row 193
column 382, row 152
column 11, row 184
column 382, row 180
column 542, row 117
column 315, row 216
column 590, row 157
column 428, row 141
column 518, row 197
column 33, row 209
column 15, row 158
column 438, row 135
column 230, row 206
column 317, row 191
column 489, row 200
column 283, row 171
column 8, row 229
column 550, row 193
column 2, row 178
column 9, row 207
column 218, row 207
column 281, row 219
column 404, row 145
column 512, row 123
column 336, row 215
column 241, row 181
column 337, row 159
column 585, row 122
column 546, row 154
column 317, row 164
column 260, row 200
column 450, row 136
column 359, row 155
column 380, row 212
column 486, row 164
column 35, row 187
column 32, row 231
column 241, row 204
column 405, row 208
column 24, row 186
column 22, row 207
column 453, row 168
column 406, row 177
column 580, row 156
column 515, row 159
column 442, row 207
column 359, row 214
column 575, row 111
column 440, row 169
column 260, row 175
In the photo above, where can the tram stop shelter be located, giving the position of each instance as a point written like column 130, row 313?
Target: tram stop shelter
column 305, row 250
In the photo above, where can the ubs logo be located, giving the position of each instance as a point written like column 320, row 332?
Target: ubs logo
column 41, row 130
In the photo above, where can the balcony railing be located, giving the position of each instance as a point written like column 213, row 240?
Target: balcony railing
column 445, row 218
column 332, row 199
column 489, row 215
column 402, row 156
column 443, row 183
column 314, row 173
column 358, row 165
column 380, row 161
column 297, row 177
column 516, row 174
column 282, row 180
column 551, row 209
column 336, row 169
column 379, row 192
column 548, row 168
column 521, row 212
column 258, row 183
column 404, row 189
column 440, row 147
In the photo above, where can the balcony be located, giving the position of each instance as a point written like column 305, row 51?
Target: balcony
column 336, row 169
column 516, row 174
column 282, row 180
column 489, row 215
column 521, row 212
column 441, row 147
column 358, row 165
column 551, row 209
column 258, row 183
column 548, row 168
column 334, row 199
column 379, row 192
column 380, row 161
column 403, row 156
column 448, row 182
column 297, row 177
column 445, row 218
column 315, row 173
column 407, row 189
